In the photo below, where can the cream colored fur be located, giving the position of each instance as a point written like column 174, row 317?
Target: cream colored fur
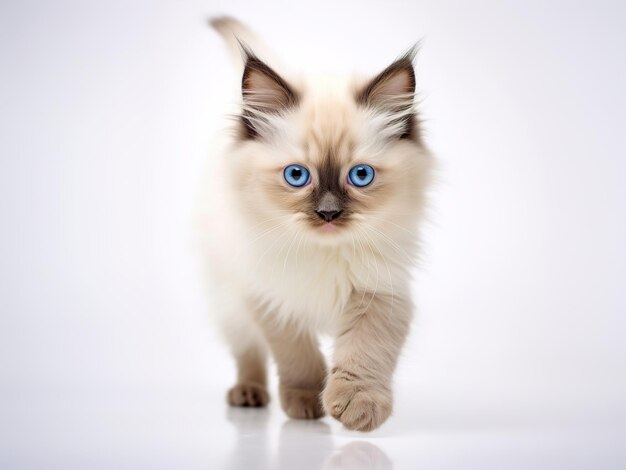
column 280, row 280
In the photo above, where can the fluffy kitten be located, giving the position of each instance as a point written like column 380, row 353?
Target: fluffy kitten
column 310, row 227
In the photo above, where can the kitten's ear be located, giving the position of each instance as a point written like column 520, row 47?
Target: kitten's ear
column 263, row 89
column 265, row 94
column 395, row 83
column 393, row 92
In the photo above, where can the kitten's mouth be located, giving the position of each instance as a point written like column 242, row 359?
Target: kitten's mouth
column 334, row 226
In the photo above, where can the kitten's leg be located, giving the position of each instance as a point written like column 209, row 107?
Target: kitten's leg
column 251, row 386
column 358, row 389
column 301, row 369
column 250, row 351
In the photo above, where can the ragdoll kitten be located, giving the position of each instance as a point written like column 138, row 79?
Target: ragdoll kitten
column 310, row 227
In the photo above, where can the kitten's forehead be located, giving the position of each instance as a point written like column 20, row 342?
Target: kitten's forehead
column 328, row 127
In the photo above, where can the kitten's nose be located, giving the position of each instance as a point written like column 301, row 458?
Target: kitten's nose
column 328, row 215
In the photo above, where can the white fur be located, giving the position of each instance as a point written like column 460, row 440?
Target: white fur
column 258, row 255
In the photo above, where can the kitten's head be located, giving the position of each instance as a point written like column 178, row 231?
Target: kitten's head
column 332, row 160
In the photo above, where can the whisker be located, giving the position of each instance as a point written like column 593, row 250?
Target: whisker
column 390, row 242
column 393, row 223
column 269, row 248
column 253, row 227
column 298, row 248
column 293, row 239
column 265, row 232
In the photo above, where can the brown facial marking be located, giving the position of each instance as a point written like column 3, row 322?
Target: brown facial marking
column 329, row 200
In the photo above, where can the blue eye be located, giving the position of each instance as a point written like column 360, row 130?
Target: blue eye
column 296, row 175
column 361, row 175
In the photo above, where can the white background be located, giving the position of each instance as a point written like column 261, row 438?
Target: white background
column 108, row 358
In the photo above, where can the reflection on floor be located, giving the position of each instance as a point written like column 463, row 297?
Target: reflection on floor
column 157, row 429
column 301, row 445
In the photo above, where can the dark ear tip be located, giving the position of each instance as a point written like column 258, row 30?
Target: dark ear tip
column 408, row 58
column 407, row 61
column 245, row 49
column 411, row 53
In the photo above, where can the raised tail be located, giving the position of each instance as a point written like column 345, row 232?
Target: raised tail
column 237, row 36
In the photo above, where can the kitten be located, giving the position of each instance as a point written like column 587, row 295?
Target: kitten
column 311, row 227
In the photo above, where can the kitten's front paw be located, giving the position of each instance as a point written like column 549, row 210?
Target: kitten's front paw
column 358, row 405
column 248, row 394
column 300, row 403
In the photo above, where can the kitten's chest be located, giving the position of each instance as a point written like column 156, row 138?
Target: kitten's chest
column 311, row 285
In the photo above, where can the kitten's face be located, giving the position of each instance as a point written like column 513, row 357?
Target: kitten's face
column 334, row 164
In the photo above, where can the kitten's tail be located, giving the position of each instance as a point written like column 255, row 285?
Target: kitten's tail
column 237, row 36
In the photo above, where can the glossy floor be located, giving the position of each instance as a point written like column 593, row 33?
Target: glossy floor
column 144, row 430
